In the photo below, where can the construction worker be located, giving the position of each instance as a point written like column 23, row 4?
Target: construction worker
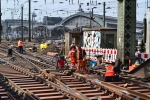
column 73, row 55
column 60, row 62
column 111, row 74
column 10, row 50
column 20, row 45
column 72, row 44
column 81, row 54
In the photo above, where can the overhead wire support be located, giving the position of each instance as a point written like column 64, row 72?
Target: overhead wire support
column 96, row 2
column 29, row 21
column 22, row 22
column 104, row 4
column 0, row 22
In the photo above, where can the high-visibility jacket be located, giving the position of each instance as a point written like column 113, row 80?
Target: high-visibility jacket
column 73, row 53
column 20, row 43
column 110, row 71
column 81, row 54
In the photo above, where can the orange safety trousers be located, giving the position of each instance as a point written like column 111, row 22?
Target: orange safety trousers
column 81, row 66
column 73, row 61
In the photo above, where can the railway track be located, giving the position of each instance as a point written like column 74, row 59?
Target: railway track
column 63, row 89
column 48, row 61
column 129, row 78
column 83, row 88
column 33, row 87
column 127, row 86
column 4, row 95
column 79, row 86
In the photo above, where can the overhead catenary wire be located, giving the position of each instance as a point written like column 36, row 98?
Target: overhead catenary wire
column 72, row 6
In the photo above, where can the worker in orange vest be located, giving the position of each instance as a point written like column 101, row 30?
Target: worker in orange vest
column 111, row 74
column 81, row 54
column 73, row 55
column 20, row 45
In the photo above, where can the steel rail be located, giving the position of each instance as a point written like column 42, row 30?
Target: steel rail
column 123, row 92
column 29, row 59
column 38, row 68
column 20, row 91
column 40, row 63
column 113, row 88
column 57, row 81
column 60, row 87
column 10, row 96
column 136, row 82
column 126, row 78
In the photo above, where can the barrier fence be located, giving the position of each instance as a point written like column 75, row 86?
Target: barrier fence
column 144, row 56
column 109, row 55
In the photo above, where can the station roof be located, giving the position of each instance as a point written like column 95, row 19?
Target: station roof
column 100, row 29
column 74, row 32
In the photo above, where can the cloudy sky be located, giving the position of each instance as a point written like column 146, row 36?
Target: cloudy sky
column 63, row 8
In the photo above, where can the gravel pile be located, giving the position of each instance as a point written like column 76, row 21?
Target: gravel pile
column 23, row 63
column 51, row 48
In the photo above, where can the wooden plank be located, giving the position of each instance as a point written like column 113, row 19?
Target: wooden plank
column 106, row 98
column 52, row 53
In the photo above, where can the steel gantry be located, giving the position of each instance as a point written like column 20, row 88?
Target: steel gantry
column 126, row 30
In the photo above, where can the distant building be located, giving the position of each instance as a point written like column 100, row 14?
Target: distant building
column 51, row 20
column 14, row 23
column 56, row 26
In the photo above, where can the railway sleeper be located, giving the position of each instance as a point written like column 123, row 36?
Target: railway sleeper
column 83, row 89
column 109, row 91
column 6, row 92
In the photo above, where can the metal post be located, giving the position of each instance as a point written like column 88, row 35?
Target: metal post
column 50, row 33
column 29, row 20
column 46, row 27
column 147, row 3
column 104, row 14
column 81, row 25
column 7, row 28
column 0, row 22
column 32, row 26
column 148, row 31
column 22, row 23
column 64, row 32
column 126, row 32
column 144, row 29
column 92, row 18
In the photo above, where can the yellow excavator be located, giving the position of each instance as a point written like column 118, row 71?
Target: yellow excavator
column 45, row 44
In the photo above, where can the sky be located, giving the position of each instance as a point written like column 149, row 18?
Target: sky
column 11, row 9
